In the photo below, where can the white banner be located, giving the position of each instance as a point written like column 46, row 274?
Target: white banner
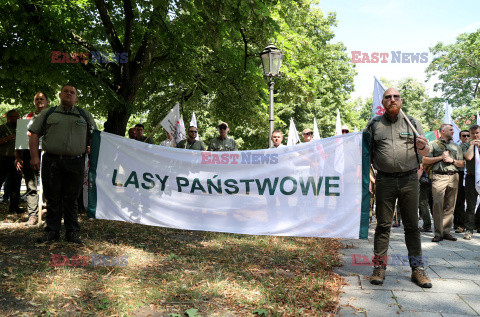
column 288, row 191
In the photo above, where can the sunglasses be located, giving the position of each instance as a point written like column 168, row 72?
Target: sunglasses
column 308, row 133
column 465, row 135
column 396, row 97
column 222, row 127
column 192, row 131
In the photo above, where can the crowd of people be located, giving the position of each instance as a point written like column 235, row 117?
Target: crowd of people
column 413, row 178
column 408, row 172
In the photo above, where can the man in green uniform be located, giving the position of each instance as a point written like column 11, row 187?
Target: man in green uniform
column 223, row 142
column 22, row 158
column 470, row 190
column 447, row 157
column 190, row 143
column 7, row 159
column 459, row 212
column 395, row 152
column 66, row 131
column 139, row 130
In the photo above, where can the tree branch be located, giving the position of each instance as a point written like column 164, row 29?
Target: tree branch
column 127, row 7
column 82, row 42
column 245, row 44
column 109, row 28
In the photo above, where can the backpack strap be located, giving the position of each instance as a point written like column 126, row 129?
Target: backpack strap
column 371, row 127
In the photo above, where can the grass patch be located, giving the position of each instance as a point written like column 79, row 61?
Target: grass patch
column 167, row 271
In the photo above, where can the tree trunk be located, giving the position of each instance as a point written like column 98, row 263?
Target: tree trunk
column 117, row 120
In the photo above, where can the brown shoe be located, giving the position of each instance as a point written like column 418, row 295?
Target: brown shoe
column 32, row 220
column 419, row 277
column 459, row 230
column 448, row 236
column 437, row 239
column 378, row 275
column 468, row 235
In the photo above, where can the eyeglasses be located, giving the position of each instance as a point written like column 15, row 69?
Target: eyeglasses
column 222, row 127
column 396, row 97
column 192, row 131
column 308, row 133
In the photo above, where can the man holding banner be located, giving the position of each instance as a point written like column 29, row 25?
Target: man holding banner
column 396, row 149
column 470, row 190
column 66, row 133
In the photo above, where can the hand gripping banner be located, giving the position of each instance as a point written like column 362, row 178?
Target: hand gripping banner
column 290, row 191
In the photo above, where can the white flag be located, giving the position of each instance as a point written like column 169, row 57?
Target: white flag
column 478, row 119
column 378, row 90
column 293, row 137
column 355, row 130
column 193, row 123
column 448, row 119
column 180, row 131
column 338, row 124
column 477, row 170
column 171, row 120
column 316, row 134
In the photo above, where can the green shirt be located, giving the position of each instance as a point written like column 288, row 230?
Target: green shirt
column 195, row 145
column 469, row 165
column 145, row 139
column 65, row 131
column 393, row 144
column 7, row 148
column 219, row 144
column 436, row 150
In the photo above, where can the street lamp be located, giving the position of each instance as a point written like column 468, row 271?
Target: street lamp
column 271, row 61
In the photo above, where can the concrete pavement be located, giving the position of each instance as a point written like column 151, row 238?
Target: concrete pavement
column 453, row 267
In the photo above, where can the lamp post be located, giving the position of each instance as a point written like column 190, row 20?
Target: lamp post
column 271, row 61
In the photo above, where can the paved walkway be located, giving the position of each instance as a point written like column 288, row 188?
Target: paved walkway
column 453, row 267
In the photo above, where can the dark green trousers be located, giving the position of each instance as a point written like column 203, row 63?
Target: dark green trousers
column 471, row 220
column 425, row 192
column 406, row 190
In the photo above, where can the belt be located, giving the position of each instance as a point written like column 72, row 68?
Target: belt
column 65, row 157
column 399, row 174
column 445, row 173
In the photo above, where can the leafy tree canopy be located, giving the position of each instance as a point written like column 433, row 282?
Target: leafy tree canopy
column 202, row 54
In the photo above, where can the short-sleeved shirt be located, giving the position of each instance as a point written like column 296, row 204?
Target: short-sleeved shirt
column 469, row 165
column 195, row 145
column 393, row 144
column 7, row 148
column 227, row 144
column 65, row 131
column 436, row 150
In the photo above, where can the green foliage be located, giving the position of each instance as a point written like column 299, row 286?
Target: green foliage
column 457, row 66
column 203, row 55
